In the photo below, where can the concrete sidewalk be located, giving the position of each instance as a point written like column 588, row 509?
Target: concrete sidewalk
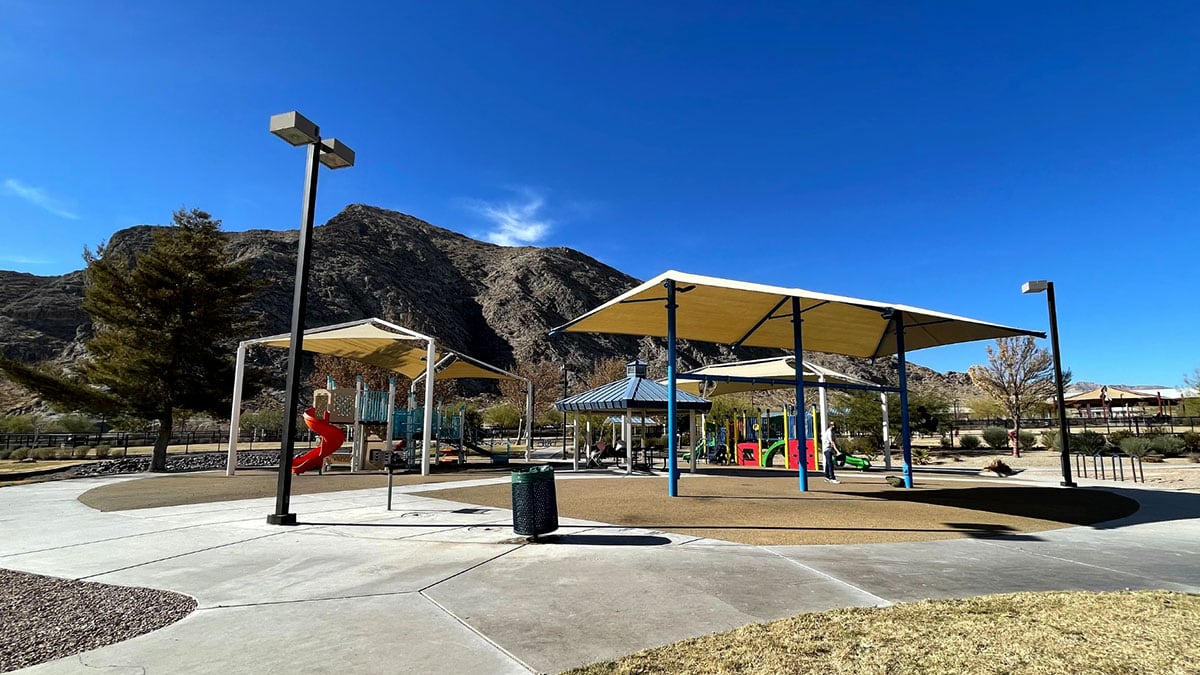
column 440, row 587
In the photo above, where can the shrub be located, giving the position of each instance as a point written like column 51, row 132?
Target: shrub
column 864, row 446
column 81, row 452
column 1135, row 447
column 5, row 453
column 19, row 453
column 1167, row 446
column 1088, row 442
column 1191, row 441
column 1049, row 439
column 102, row 450
column 945, row 442
column 1152, row 431
column 920, row 455
column 1115, row 438
column 1195, row 457
column 1026, row 439
column 995, row 437
column 45, row 453
column 970, row 442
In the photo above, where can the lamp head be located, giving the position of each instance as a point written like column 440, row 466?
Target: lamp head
column 335, row 154
column 1034, row 286
column 294, row 128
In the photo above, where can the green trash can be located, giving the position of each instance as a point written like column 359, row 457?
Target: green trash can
column 534, row 504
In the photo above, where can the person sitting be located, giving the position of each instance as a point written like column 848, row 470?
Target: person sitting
column 596, row 455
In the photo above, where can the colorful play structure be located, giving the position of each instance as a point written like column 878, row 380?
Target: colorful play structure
column 759, row 437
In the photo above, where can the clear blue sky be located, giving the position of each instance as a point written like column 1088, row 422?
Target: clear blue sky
column 933, row 154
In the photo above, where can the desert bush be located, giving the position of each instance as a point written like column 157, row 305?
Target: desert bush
column 863, row 446
column 1115, row 438
column 44, row 453
column 103, row 450
column 1049, row 439
column 998, row 466
column 5, row 453
column 1135, row 447
column 1153, row 431
column 996, row 437
column 1027, row 440
column 969, row 442
column 945, row 442
column 81, row 452
column 1167, row 446
column 1195, row 457
column 19, row 453
column 1191, row 441
column 920, row 455
column 1088, row 442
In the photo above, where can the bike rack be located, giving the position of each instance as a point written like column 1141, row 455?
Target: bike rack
column 1116, row 464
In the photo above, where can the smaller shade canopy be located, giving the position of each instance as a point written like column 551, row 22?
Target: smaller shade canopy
column 725, row 311
column 387, row 346
column 635, row 392
column 774, row 373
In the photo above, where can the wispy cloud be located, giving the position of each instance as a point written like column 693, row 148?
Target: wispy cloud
column 515, row 223
column 37, row 197
column 24, row 260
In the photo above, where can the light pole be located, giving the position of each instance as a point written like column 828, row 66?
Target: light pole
column 298, row 130
column 564, row 452
column 1064, row 436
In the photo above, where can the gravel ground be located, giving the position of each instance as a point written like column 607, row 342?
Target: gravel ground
column 46, row 618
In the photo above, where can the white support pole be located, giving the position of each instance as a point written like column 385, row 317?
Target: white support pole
column 235, row 414
column 887, row 449
column 427, row 426
column 692, row 438
column 575, row 442
column 386, row 455
column 627, row 435
column 824, row 402
column 356, row 448
column 529, row 421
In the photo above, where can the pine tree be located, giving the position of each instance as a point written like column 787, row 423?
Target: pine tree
column 165, row 321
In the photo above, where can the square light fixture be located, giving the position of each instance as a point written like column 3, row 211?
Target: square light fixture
column 294, row 128
column 335, row 154
column 1034, row 286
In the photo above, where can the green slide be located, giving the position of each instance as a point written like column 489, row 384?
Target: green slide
column 768, row 455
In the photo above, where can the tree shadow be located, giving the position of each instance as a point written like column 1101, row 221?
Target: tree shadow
column 1078, row 506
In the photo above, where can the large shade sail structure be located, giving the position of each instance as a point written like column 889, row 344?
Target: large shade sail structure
column 739, row 313
column 385, row 345
column 677, row 305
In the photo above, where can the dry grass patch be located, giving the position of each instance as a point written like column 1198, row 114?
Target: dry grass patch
column 1128, row 632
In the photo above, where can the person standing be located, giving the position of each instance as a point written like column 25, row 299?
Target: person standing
column 828, row 449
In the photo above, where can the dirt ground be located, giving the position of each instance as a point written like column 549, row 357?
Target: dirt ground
column 1178, row 473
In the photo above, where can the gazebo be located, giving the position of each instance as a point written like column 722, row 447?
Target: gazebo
column 634, row 394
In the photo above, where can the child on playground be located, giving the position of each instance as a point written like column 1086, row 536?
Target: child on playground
column 828, row 449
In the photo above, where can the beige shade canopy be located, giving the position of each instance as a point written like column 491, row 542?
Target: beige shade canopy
column 725, row 311
column 387, row 346
column 1110, row 394
column 777, row 373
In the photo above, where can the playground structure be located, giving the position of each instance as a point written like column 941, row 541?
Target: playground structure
column 386, row 345
column 366, row 412
column 331, row 441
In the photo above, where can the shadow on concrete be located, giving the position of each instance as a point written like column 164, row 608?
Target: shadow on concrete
column 1074, row 507
column 605, row 539
column 1157, row 506
column 991, row 531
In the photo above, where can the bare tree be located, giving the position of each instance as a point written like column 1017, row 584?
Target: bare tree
column 604, row 371
column 1019, row 376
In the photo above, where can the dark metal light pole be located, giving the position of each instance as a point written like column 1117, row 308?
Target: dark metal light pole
column 564, row 369
column 1064, row 435
column 297, row 130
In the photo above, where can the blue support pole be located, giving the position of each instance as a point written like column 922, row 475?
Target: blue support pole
column 905, row 434
column 672, row 444
column 801, row 437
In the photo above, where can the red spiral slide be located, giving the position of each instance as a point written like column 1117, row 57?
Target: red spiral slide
column 331, row 439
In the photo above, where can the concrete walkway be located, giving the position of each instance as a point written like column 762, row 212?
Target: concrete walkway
column 440, row 587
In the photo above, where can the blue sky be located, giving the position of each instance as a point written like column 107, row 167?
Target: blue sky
column 931, row 154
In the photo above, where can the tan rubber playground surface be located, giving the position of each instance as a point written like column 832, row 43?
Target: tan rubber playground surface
column 760, row 509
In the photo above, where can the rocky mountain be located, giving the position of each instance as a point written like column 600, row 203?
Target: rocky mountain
column 493, row 302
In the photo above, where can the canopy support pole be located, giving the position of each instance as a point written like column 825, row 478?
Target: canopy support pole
column 627, row 435
column 692, row 439
column 672, row 443
column 905, row 432
column 575, row 442
column 887, row 442
column 824, row 405
column 427, row 425
column 235, row 414
column 798, row 345
column 528, row 420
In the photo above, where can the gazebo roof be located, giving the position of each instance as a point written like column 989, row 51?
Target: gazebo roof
column 635, row 392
